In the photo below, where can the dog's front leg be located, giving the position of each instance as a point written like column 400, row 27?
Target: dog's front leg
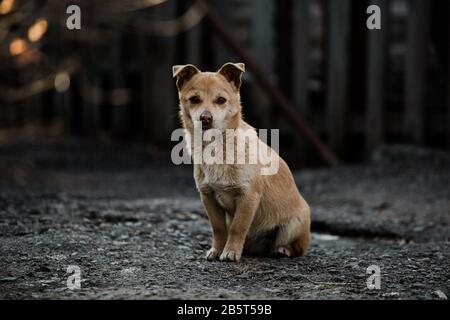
column 243, row 217
column 217, row 219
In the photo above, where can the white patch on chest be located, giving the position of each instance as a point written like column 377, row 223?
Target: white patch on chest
column 225, row 181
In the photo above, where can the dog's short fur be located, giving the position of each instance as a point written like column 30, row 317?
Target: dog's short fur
column 249, row 212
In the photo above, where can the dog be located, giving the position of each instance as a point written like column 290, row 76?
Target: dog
column 250, row 213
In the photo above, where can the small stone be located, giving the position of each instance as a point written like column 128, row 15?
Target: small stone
column 391, row 294
column 441, row 294
column 325, row 237
column 418, row 285
column 333, row 271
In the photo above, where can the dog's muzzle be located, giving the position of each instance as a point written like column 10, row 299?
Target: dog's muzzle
column 207, row 119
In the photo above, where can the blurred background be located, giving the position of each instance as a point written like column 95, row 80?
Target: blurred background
column 111, row 80
column 86, row 117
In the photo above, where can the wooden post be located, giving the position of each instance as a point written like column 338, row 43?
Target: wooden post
column 193, row 47
column 120, row 113
column 300, row 39
column 188, row 44
column 448, row 82
column 159, row 91
column 91, row 79
column 337, row 87
column 376, row 77
column 55, row 105
column 91, row 85
column 144, row 81
column 262, row 48
column 218, row 50
column 62, row 104
column 301, row 63
column 416, row 68
column 237, row 14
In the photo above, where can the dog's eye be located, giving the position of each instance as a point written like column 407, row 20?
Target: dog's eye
column 221, row 100
column 194, row 100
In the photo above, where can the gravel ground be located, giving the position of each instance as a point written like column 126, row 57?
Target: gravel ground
column 135, row 227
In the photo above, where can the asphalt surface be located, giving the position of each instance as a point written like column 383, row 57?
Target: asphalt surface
column 135, row 227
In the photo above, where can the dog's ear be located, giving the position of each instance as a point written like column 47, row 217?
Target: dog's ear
column 233, row 73
column 184, row 74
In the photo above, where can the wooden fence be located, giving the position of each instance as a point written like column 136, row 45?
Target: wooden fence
column 358, row 88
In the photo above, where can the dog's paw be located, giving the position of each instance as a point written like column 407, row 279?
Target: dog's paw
column 282, row 252
column 230, row 255
column 212, row 254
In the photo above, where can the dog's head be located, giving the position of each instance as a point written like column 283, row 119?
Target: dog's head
column 209, row 97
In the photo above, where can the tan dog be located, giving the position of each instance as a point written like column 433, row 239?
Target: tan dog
column 249, row 212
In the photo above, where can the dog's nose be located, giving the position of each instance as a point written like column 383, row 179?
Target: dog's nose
column 206, row 118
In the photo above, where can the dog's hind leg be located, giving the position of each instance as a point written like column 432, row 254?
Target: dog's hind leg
column 300, row 244
column 293, row 238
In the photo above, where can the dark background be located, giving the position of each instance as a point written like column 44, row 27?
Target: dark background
column 85, row 171
column 357, row 88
